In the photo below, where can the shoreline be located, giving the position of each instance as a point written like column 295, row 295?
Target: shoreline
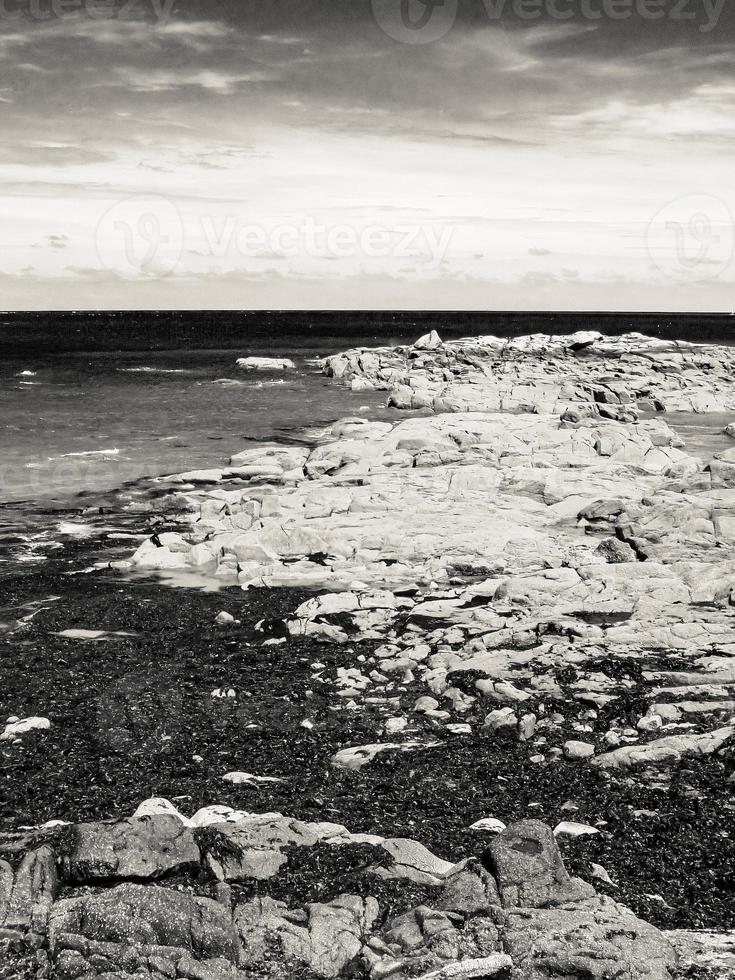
column 557, row 671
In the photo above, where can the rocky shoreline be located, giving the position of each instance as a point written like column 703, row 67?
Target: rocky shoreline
column 516, row 602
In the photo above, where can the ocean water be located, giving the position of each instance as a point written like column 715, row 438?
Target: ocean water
column 90, row 402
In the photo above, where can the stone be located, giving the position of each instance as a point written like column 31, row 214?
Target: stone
column 147, row 847
column 490, row 824
column 529, row 870
column 14, row 729
column 327, row 937
column 265, row 363
column 615, row 551
column 577, row 751
column 597, row 941
column 468, row 888
column 429, row 341
column 27, row 895
column 412, row 861
column 569, row 828
column 125, row 930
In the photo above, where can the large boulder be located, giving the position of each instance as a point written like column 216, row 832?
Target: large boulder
column 147, row 931
column 326, row 937
column 529, row 869
column 597, row 941
column 141, row 848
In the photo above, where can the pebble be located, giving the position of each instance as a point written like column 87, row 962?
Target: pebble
column 490, row 824
column 576, row 751
column 571, row 829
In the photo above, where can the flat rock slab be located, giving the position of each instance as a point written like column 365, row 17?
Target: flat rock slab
column 144, row 848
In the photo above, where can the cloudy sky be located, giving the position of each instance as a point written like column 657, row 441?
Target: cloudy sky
column 496, row 154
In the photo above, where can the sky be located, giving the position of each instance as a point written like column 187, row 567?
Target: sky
column 367, row 154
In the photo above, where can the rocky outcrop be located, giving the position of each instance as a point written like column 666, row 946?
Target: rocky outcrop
column 530, row 555
column 580, row 374
column 512, row 913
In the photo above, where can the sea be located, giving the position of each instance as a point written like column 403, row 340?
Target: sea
column 91, row 402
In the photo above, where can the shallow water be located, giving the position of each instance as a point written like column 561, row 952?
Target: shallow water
column 96, row 421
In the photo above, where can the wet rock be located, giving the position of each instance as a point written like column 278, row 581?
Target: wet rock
column 265, row 363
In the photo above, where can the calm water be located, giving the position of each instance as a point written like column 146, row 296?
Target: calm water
column 89, row 402
column 93, row 422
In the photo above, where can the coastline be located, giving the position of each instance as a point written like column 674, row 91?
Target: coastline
column 424, row 632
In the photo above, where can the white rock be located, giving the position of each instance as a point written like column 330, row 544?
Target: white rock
column 15, row 728
column 265, row 363
column 224, row 618
column 429, row 341
column 157, row 806
column 572, row 829
column 576, row 751
column 490, row 824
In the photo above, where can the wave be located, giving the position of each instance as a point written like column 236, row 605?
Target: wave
column 89, row 452
column 152, row 370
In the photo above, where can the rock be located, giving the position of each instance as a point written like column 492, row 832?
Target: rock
column 143, row 848
column 250, row 847
column 615, row 551
column 429, row 341
column 469, row 888
column 569, row 828
column 502, row 720
column 248, row 779
column 529, row 870
column 265, row 363
column 491, row 824
column 325, row 937
column 15, row 728
column 134, row 929
column 596, row 940
column 361, row 755
column 27, row 895
column 576, row 751
column 665, row 750
column 413, row 862
column 224, row 619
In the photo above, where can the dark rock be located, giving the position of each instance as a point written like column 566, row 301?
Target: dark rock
column 529, row 869
column 615, row 552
